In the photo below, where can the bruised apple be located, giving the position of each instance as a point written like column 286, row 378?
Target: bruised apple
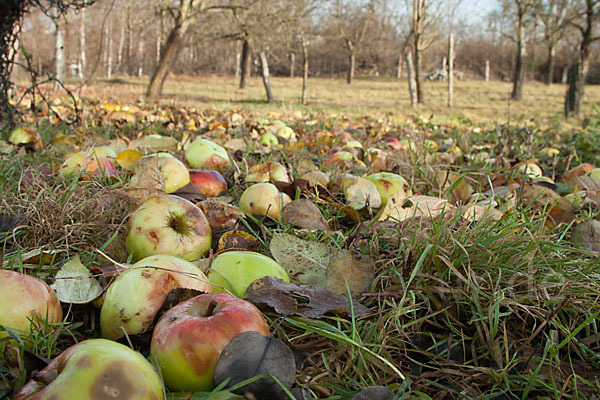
column 167, row 224
column 387, row 184
column 173, row 171
column 88, row 164
column 188, row 339
column 235, row 271
column 204, row 154
column 210, row 183
column 263, row 199
column 95, row 369
column 133, row 299
column 269, row 171
column 24, row 298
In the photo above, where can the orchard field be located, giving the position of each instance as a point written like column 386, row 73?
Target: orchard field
column 433, row 253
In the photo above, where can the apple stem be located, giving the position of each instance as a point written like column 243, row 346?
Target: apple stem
column 211, row 307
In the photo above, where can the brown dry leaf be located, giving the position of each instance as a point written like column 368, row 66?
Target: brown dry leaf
column 237, row 240
column 304, row 214
column 461, row 192
column 190, row 192
column 304, row 260
column 357, row 272
column 122, row 116
column 220, row 215
column 148, row 183
column 393, row 206
column 587, row 235
column 543, row 198
column 585, row 183
column 154, row 143
column 479, row 212
column 128, row 158
column 236, row 144
column 290, row 299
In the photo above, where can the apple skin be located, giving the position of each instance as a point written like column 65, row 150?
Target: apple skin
column 210, row 183
column 269, row 171
column 23, row 297
column 263, row 199
column 236, row 270
column 186, row 342
column 204, row 154
column 174, row 172
column 387, row 184
column 95, row 369
column 134, row 298
column 167, row 224
column 91, row 165
column 268, row 139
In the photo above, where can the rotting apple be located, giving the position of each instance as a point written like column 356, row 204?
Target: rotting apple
column 210, row 183
column 204, row 154
column 234, row 271
column 263, row 199
column 188, row 339
column 167, row 224
column 24, row 298
column 269, row 171
column 388, row 183
column 174, row 172
column 133, row 299
column 87, row 164
column 95, row 369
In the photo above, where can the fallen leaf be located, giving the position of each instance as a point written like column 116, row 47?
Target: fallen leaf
column 291, row 299
column 362, row 193
column 220, row 215
column 155, row 143
column 304, row 214
column 190, row 192
column 128, row 158
column 75, row 284
column 148, row 183
column 237, row 240
column 542, row 198
column 587, row 235
column 305, row 260
column 357, row 272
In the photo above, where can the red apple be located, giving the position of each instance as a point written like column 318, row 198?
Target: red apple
column 168, row 224
column 210, row 183
column 95, row 369
column 23, row 298
column 188, row 339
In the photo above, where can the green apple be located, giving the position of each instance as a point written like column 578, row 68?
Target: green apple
column 204, row 154
column 263, row 199
column 234, row 271
column 189, row 338
column 95, row 369
column 388, row 183
column 268, row 139
column 168, row 224
column 133, row 299
column 24, row 298
column 173, row 171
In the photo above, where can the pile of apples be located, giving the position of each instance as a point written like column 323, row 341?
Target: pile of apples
column 166, row 232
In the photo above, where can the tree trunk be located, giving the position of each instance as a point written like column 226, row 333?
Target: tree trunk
column 82, row 58
column 159, row 33
column 450, row 70
column 246, row 63
column 519, row 75
column 120, row 48
column 59, row 50
column 304, row 67
column 109, row 50
column 264, row 64
column 486, row 75
column 351, row 66
column 565, row 76
column 174, row 41
column 292, row 64
column 238, row 64
column 412, row 84
column 140, row 72
column 399, row 70
column 419, row 78
column 550, row 66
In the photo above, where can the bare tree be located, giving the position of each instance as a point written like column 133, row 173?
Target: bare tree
column 587, row 26
column 555, row 15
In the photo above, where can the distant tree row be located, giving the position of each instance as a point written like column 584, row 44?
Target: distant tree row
column 554, row 41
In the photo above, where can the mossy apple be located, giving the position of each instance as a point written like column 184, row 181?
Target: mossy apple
column 173, row 171
column 234, row 271
column 168, row 224
column 188, row 339
column 263, row 199
column 23, row 298
column 95, row 369
column 205, row 154
column 133, row 299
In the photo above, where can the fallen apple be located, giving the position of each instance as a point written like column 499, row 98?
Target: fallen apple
column 263, row 199
column 388, row 183
column 87, row 164
column 268, row 139
column 234, row 271
column 174, row 172
column 204, row 154
column 95, row 369
column 23, row 298
column 188, row 339
column 271, row 171
column 168, row 224
column 210, row 183
column 133, row 299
